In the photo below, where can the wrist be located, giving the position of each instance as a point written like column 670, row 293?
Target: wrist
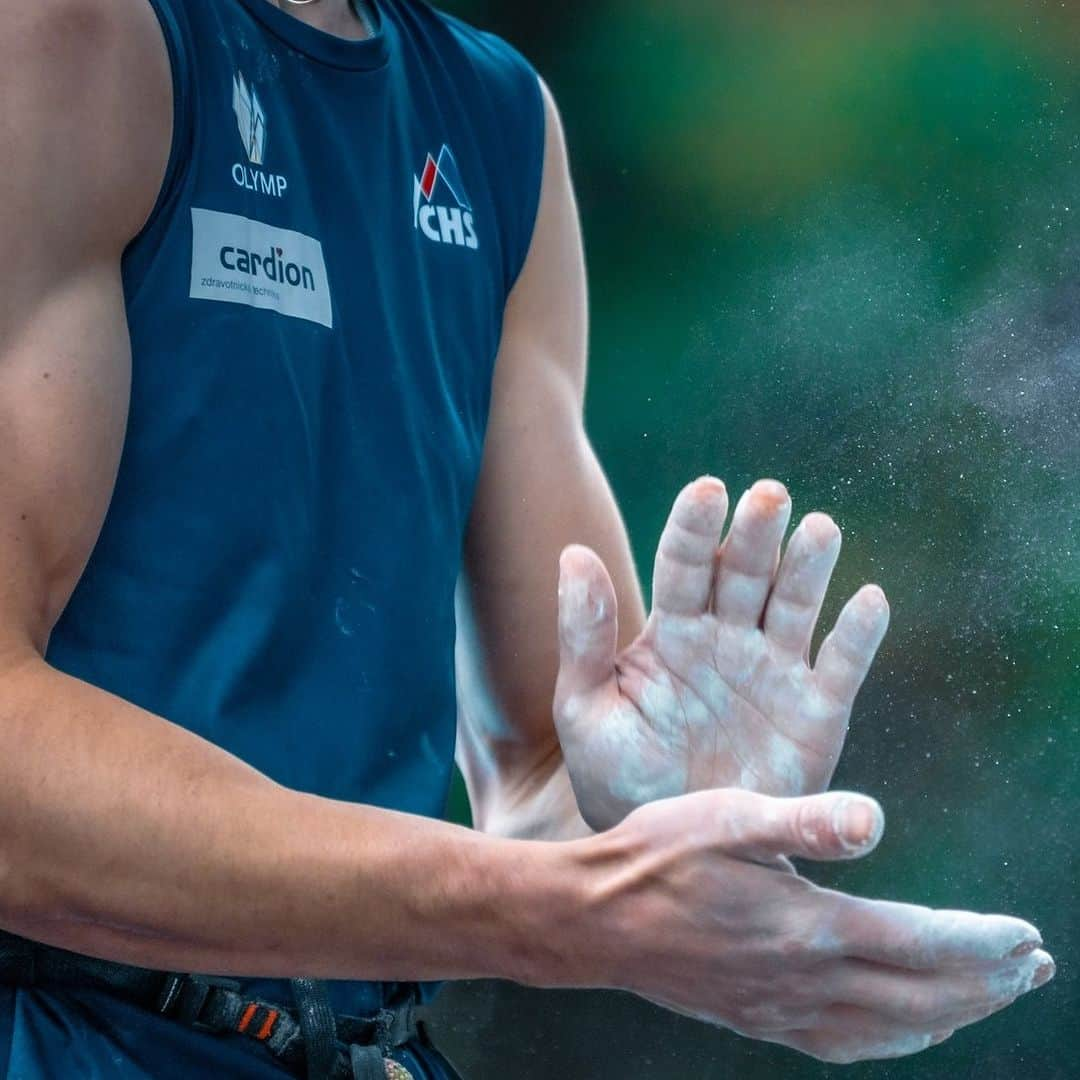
column 566, row 924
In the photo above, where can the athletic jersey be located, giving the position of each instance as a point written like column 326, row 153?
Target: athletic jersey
column 315, row 308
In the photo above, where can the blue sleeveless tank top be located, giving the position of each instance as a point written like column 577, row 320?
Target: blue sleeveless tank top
column 315, row 308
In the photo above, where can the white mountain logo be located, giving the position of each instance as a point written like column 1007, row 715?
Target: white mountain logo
column 250, row 118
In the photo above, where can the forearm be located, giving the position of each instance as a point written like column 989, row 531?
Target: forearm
column 512, row 763
column 541, row 488
column 508, row 646
column 127, row 837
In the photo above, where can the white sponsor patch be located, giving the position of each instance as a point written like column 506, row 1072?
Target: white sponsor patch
column 240, row 261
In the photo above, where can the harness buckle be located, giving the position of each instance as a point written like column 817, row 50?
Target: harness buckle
column 170, row 991
column 183, row 997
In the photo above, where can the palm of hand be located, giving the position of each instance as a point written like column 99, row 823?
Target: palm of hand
column 718, row 690
column 734, row 709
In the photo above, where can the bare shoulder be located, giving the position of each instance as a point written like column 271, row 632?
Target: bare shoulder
column 86, row 109
column 557, row 186
column 90, row 43
column 556, row 138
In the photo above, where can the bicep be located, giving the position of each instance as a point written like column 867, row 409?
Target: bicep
column 85, row 114
column 541, row 486
column 63, row 399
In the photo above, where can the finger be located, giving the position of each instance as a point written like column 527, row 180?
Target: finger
column 1043, row 974
column 685, row 557
column 749, row 555
column 847, row 653
column 588, row 623
column 845, row 1035
column 837, row 825
column 920, row 939
column 935, row 1000
column 801, row 583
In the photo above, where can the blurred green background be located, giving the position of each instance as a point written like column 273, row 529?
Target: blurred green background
column 839, row 243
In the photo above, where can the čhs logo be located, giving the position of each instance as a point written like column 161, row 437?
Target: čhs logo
column 443, row 224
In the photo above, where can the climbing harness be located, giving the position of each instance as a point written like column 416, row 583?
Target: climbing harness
column 307, row 1038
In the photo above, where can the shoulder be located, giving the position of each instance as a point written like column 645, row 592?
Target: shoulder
column 487, row 50
column 86, row 33
column 91, row 89
column 495, row 61
column 498, row 100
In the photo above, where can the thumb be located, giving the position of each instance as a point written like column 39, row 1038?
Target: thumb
column 836, row 825
column 588, row 623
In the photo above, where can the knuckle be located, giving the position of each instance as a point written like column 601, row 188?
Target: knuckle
column 682, row 543
column 863, row 624
column 913, row 1005
column 807, row 931
column 811, row 827
column 848, row 645
column 797, row 944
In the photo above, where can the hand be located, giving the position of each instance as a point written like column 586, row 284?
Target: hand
column 699, row 911
column 718, row 690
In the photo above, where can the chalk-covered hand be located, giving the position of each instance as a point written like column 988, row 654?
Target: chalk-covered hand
column 718, row 690
column 692, row 904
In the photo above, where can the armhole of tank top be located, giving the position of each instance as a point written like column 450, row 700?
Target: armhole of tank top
column 534, row 178
column 181, row 122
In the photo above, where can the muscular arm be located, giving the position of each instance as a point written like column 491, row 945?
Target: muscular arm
column 541, row 488
column 121, row 834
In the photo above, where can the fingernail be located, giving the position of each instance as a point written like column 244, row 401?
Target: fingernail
column 940, row 1037
column 772, row 492
column 715, row 481
column 1043, row 974
column 856, row 822
column 1025, row 949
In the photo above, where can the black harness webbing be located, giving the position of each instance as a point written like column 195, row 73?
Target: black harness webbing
column 308, row 1039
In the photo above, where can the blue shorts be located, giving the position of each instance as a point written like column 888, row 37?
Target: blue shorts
column 93, row 1035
